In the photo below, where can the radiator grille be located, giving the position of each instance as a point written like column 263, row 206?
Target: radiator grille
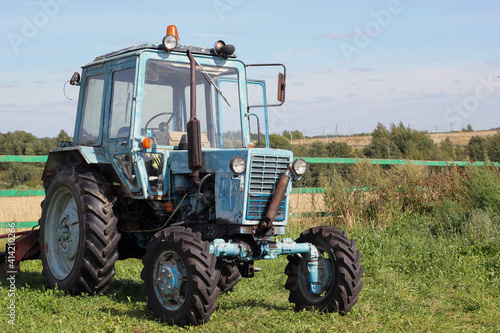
column 264, row 174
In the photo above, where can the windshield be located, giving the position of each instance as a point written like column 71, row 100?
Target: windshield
column 166, row 104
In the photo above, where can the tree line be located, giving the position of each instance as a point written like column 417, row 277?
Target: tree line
column 397, row 142
column 23, row 143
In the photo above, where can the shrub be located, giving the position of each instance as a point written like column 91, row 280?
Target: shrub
column 482, row 228
column 449, row 217
column 482, row 188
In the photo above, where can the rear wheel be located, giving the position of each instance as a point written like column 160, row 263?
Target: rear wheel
column 78, row 233
column 229, row 278
column 180, row 277
column 339, row 268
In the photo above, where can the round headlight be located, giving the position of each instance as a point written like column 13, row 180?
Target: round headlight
column 169, row 42
column 237, row 165
column 299, row 167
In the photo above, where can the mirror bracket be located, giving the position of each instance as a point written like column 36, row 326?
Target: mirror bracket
column 281, row 85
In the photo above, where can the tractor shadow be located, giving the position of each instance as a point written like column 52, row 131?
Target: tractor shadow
column 121, row 290
column 129, row 292
column 238, row 302
column 29, row 280
column 126, row 290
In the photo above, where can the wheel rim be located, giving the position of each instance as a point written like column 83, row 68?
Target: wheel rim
column 62, row 233
column 326, row 277
column 170, row 280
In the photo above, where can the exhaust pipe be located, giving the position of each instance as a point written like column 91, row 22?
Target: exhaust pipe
column 267, row 222
column 193, row 128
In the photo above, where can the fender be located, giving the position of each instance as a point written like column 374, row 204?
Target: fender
column 73, row 156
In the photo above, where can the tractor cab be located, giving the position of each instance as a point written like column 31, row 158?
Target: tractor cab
column 136, row 105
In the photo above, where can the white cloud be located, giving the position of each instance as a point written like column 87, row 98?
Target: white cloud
column 323, row 70
column 361, row 69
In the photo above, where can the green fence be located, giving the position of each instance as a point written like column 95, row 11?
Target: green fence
column 23, row 158
column 313, row 160
column 389, row 162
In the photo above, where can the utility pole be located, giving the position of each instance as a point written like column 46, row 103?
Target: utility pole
column 437, row 138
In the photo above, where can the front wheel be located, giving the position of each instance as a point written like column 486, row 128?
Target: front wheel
column 339, row 267
column 180, row 277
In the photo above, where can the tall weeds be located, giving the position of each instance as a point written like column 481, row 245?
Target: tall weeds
column 460, row 199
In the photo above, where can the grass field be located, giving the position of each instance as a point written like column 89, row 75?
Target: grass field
column 431, row 252
column 414, row 281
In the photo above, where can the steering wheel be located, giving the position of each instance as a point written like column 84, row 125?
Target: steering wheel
column 165, row 124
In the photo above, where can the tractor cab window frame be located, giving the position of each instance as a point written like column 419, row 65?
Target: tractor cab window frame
column 165, row 95
column 92, row 110
column 121, row 103
column 258, row 118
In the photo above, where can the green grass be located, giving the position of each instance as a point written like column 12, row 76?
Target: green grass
column 414, row 281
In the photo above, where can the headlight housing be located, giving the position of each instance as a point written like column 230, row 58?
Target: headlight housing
column 299, row 167
column 237, row 165
column 169, row 42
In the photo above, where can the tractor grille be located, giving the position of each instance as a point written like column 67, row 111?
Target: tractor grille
column 265, row 172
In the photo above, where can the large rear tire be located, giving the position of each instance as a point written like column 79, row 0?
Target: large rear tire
column 339, row 267
column 229, row 278
column 78, row 232
column 180, row 277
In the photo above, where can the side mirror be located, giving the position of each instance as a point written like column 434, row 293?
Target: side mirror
column 75, row 79
column 281, row 87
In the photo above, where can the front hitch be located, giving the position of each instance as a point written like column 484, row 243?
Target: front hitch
column 317, row 270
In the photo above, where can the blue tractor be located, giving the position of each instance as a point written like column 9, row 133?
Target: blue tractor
column 165, row 166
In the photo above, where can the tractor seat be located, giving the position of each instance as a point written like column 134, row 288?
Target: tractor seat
column 123, row 132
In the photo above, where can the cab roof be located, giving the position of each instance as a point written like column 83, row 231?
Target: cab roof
column 156, row 47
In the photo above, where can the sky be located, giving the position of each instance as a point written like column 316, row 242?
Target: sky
column 432, row 65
